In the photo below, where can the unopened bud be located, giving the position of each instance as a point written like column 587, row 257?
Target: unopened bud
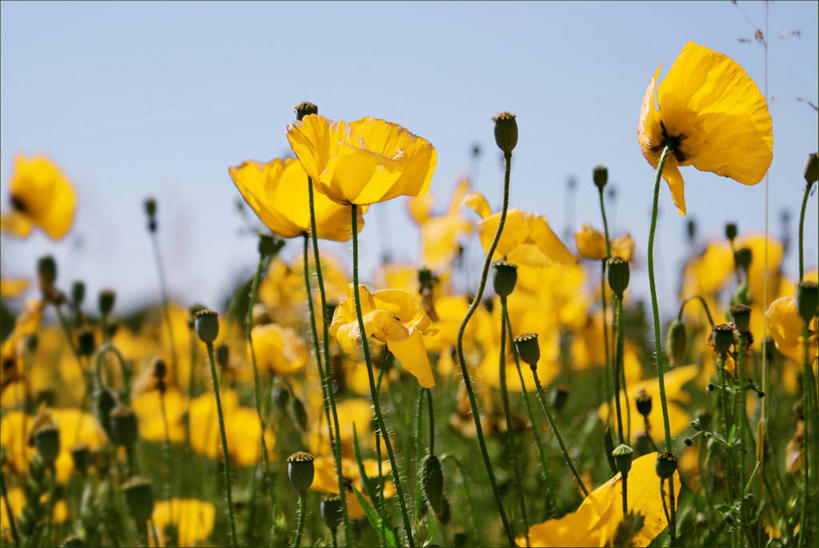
column 506, row 132
column 331, row 512
column 504, row 277
column 104, row 402
column 666, row 465
column 560, row 395
column 807, row 299
column 47, row 442
column 207, row 325
column 432, row 483
column 305, row 108
column 223, row 356
column 106, row 301
column 124, row 426
column 528, row 348
column 600, row 175
column 741, row 315
column 300, row 470
column 269, row 246
column 742, row 258
column 81, row 456
column 46, row 273
column 85, row 342
column 77, row 293
column 643, row 403
column 139, row 497
column 608, row 445
column 73, row 541
column 298, row 412
column 691, row 229
column 618, row 274
column 723, row 337
column 622, row 458
column 675, row 341
column 812, row 169
column 281, row 395
column 731, row 231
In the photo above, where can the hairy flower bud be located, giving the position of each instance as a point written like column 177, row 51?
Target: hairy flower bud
column 600, row 175
column 675, row 342
column 807, row 299
column 506, row 132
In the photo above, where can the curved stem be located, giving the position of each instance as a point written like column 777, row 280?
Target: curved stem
column 550, row 503
column 302, row 514
column 704, row 306
column 327, row 379
column 257, row 388
column 556, row 430
column 802, row 231
column 658, row 342
column 509, row 438
column 228, row 494
column 108, row 347
column 459, row 348
column 376, row 404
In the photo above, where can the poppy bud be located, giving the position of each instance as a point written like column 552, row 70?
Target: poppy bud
column 150, row 210
column 47, row 442
column 305, row 108
column 559, row 397
column 160, row 368
column 281, row 395
column 666, row 465
column 618, row 274
column 506, row 132
column 46, row 273
column 741, row 315
column 300, row 470
column 207, row 325
column 331, row 512
column 504, row 277
column 723, row 337
column 124, row 426
column 139, row 497
column 812, row 168
column 432, row 483
column 85, row 342
column 742, row 258
column 691, row 230
column 608, row 445
column 104, row 402
column 106, row 301
column 269, row 246
column 443, row 516
column 223, row 355
column 643, row 403
column 528, row 349
column 298, row 412
column 81, row 456
column 77, row 293
column 600, row 175
column 622, row 458
column 731, row 231
column 807, row 299
column 675, row 342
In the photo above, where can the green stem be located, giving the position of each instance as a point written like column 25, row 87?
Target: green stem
column 625, row 495
column 704, row 306
column 469, row 499
column 228, row 493
column 809, row 434
column 459, row 348
column 556, row 430
column 658, row 342
column 742, row 418
column 327, row 379
column 802, row 231
column 376, row 404
column 419, row 452
column 509, row 438
column 726, row 425
column 608, row 367
column 9, row 511
column 166, row 446
column 431, row 419
column 163, row 288
column 541, row 451
column 672, row 524
column 618, row 365
column 302, row 514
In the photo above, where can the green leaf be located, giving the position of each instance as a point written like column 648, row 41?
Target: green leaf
column 375, row 521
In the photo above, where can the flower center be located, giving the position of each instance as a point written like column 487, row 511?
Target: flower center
column 17, row 204
column 673, row 142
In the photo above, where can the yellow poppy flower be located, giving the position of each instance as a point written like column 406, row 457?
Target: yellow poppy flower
column 17, row 501
column 713, row 116
column 40, row 194
column 596, row 521
column 26, row 324
column 363, row 162
column 325, row 480
column 277, row 192
column 785, row 326
column 591, row 244
column 527, row 238
column 148, row 409
column 278, row 349
column 192, row 518
column 393, row 317
column 12, row 288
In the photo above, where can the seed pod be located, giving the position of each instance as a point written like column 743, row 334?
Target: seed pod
column 675, row 342
column 207, row 325
column 723, row 337
column 600, row 176
column 81, row 456
column 528, row 348
column 77, row 293
column 46, row 273
column 504, row 277
column 139, row 497
column 106, row 301
column 47, row 442
column 643, row 403
column 807, row 299
column 300, row 470
column 560, row 395
column 666, row 465
column 622, row 458
column 85, row 342
column 305, row 108
column 741, row 314
column 618, row 274
column 731, row 231
column 331, row 512
column 432, row 483
column 124, row 428
column 506, row 132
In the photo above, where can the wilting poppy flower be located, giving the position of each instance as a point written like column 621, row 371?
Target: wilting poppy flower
column 40, row 195
column 393, row 317
column 277, row 192
column 363, row 162
column 595, row 522
column 713, row 117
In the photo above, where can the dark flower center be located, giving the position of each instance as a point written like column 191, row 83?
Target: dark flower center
column 673, row 142
column 18, row 204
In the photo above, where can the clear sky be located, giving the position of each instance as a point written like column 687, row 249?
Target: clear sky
column 138, row 99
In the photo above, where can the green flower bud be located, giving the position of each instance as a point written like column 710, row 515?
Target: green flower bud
column 812, row 168
column 298, row 412
column 691, row 229
column 600, row 175
column 560, row 395
column 445, row 513
column 222, row 356
column 269, row 246
column 124, row 426
column 618, row 274
column 46, row 273
column 666, row 465
column 150, row 206
column 300, row 470
column 643, row 403
column 85, row 342
column 723, row 337
column 281, row 395
column 731, row 231
column 504, row 277
column 207, row 325
column 139, row 497
column 331, row 512
column 47, row 442
column 506, row 132
column 622, row 458
column 432, row 483
column 81, row 456
column 305, row 108
column 675, row 342
column 807, row 299
column 104, row 402
column 77, row 293
column 106, row 301
column 741, row 315
column 742, row 258
column 528, row 348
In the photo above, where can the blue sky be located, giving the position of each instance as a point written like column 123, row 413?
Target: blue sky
column 138, row 99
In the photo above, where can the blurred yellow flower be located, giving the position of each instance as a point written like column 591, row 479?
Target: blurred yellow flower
column 193, row 519
column 325, row 479
column 278, row 349
column 363, row 162
column 277, row 192
column 595, row 522
column 785, row 326
column 712, row 115
column 26, row 324
column 591, row 244
column 148, row 409
column 393, row 317
column 527, row 238
column 40, row 195
column 11, row 288
column 17, row 501
column 440, row 233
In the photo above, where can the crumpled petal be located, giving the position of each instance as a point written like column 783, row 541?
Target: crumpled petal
column 412, row 355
